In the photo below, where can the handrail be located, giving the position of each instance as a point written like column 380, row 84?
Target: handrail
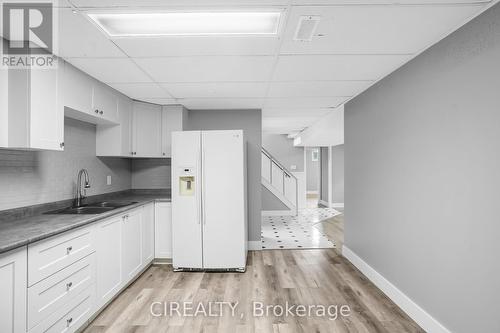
column 275, row 161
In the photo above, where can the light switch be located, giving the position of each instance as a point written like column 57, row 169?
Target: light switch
column 293, row 167
column 108, row 180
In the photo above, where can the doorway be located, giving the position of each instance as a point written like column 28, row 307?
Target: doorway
column 313, row 175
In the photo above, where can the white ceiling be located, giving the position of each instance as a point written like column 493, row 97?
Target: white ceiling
column 293, row 82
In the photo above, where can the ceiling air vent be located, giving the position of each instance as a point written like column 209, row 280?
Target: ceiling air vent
column 306, row 28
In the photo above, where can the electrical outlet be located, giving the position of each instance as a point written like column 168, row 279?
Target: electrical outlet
column 108, row 180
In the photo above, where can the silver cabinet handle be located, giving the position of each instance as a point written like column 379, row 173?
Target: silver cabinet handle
column 68, row 321
column 96, row 111
column 69, row 285
column 102, row 112
column 69, row 249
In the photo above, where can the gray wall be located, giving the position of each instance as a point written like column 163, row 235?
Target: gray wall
column 251, row 122
column 338, row 174
column 270, row 201
column 29, row 177
column 151, row 173
column 282, row 148
column 422, row 155
column 312, row 171
column 324, row 174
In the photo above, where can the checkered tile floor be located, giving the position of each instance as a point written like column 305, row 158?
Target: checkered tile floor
column 296, row 232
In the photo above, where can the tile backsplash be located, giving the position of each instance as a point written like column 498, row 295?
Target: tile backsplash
column 151, row 173
column 34, row 177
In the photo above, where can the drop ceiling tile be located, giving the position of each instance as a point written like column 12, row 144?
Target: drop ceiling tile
column 217, row 89
column 78, row 37
column 375, row 29
column 193, row 45
column 317, row 88
column 286, row 125
column 305, row 102
column 111, row 70
column 294, row 112
column 159, row 101
column 222, row 103
column 336, row 67
column 208, row 69
column 141, row 90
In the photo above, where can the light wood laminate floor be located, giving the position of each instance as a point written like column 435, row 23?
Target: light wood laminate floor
column 319, row 276
column 333, row 228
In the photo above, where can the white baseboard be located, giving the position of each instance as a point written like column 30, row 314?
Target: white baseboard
column 412, row 309
column 324, row 203
column 278, row 213
column 254, row 245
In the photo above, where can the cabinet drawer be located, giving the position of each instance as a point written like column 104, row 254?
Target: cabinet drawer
column 71, row 317
column 49, row 295
column 50, row 256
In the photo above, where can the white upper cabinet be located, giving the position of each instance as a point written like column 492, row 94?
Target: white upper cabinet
column 87, row 99
column 115, row 140
column 77, row 89
column 146, row 130
column 173, row 117
column 104, row 102
column 31, row 109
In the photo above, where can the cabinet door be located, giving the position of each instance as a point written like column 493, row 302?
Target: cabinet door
column 77, row 89
column 172, row 120
column 125, row 119
column 148, row 234
column 163, row 230
column 104, row 103
column 109, row 249
column 131, row 234
column 146, row 130
column 46, row 109
column 13, row 290
column 115, row 140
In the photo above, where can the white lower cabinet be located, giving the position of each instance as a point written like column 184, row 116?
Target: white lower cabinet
column 109, row 250
column 47, row 296
column 58, row 284
column 148, row 233
column 131, row 238
column 71, row 316
column 163, row 230
column 13, row 266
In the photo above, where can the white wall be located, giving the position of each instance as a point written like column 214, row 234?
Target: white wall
column 312, row 171
column 422, row 168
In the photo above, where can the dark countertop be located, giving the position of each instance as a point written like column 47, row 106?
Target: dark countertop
column 20, row 232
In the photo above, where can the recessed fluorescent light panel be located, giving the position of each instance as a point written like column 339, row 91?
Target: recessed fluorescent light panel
column 187, row 23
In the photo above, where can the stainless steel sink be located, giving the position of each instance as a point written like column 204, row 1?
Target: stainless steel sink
column 113, row 204
column 82, row 210
column 95, row 208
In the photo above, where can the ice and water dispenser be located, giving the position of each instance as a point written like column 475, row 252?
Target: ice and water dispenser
column 186, row 182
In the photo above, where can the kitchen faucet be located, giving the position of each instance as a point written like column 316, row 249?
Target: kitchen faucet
column 79, row 195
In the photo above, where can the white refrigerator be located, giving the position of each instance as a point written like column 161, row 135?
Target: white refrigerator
column 209, row 204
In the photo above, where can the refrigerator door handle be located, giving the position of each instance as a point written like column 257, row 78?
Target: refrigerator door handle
column 203, row 183
column 198, row 196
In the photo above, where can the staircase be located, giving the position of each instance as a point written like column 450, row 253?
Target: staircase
column 281, row 183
